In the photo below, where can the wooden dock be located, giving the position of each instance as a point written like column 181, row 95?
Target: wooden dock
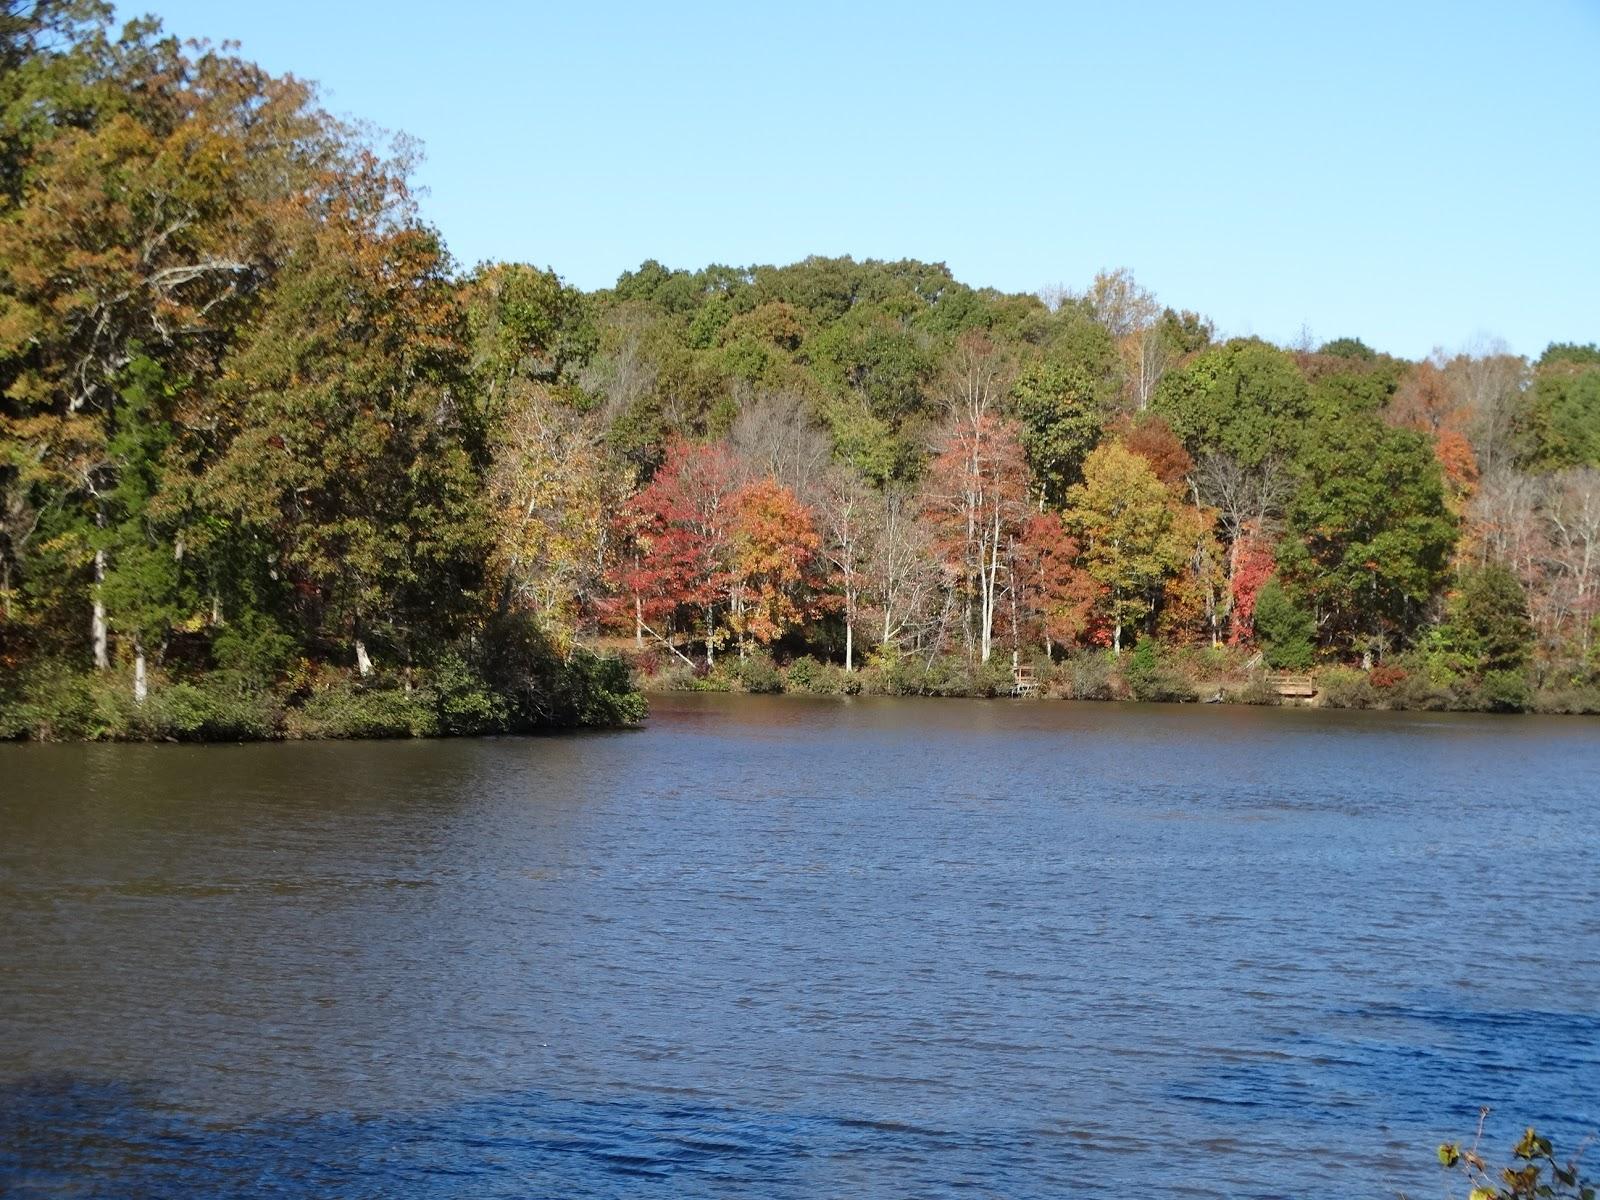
column 1293, row 687
column 1023, row 683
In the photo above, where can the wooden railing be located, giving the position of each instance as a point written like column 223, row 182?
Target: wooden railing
column 1023, row 682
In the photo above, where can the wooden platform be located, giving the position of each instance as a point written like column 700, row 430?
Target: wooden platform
column 1023, row 682
column 1293, row 687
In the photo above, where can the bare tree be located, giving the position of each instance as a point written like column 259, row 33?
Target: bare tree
column 1489, row 380
column 1149, row 355
column 1054, row 295
column 976, row 378
column 906, row 576
column 1120, row 304
column 1246, row 497
column 1505, row 512
column 1248, row 500
column 774, row 433
column 625, row 375
column 1573, row 512
column 1131, row 315
column 851, row 514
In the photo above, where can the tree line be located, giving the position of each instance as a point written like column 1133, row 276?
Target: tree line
column 269, row 460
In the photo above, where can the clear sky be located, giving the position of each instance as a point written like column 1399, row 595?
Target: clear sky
column 1416, row 174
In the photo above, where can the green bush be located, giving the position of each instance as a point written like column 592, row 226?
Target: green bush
column 1568, row 699
column 1488, row 626
column 463, row 701
column 1284, row 629
column 807, row 674
column 755, row 673
column 253, row 651
column 539, row 688
column 802, row 675
column 1421, row 692
column 990, row 679
column 353, row 709
column 207, row 710
column 1257, row 689
column 1504, row 691
column 596, row 690
column 53, row 704
column 904, row 675
column 1151, row 676
column 1089, row 675
column 1217, row 662
column 1342, row 687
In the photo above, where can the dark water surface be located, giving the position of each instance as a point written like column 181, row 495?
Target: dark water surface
column 778, row 948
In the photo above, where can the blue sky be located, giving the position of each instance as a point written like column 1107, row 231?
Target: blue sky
column 1416, row 174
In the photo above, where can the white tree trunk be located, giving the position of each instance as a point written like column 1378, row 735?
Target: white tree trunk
column 97, row 620
column 849, row 646
column 638, row 621
column 141, row 683
column 363, row 660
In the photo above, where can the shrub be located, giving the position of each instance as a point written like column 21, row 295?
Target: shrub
column 463, row 702
column 50, row 705
column 1257, row 689
column 1488, row 624
column 1283, row 628
column 1152, row 676
column 1385, row 676
column 207, row 710
column 679, row 677
column 1504, row 691
column 595, row 690
column 355, row 709
column 253, row 651
column 1342, row 687
column 542, row 689
column 1537, row 1173
column 1219, row 660
column 905, row 675
column 1089, row 675
column 755, row 672
column 806, row 674
column 1418, row 690
column 1570, row 699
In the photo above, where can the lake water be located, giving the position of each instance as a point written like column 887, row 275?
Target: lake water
column 783, row 948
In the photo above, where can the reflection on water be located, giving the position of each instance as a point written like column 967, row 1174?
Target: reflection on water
column 774, row 947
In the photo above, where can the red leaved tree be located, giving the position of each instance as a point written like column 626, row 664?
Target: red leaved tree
column 1254, row 564
column 1054, row 596
column 676, row 533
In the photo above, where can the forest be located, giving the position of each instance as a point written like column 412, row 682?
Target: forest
column 273, row 464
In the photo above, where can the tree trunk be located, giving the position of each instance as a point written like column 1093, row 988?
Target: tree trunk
column 638, row 621
column 363, row 660
column 849, row 645
column 97, row 619
column 141, row 683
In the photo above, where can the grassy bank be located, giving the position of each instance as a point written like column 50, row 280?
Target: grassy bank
column 453, row 697
column 1150, row 672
